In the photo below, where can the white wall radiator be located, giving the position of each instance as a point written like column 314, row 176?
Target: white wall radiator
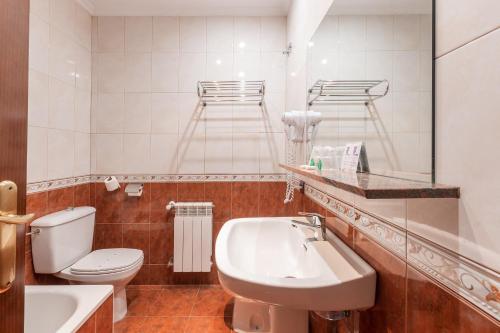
column 192, row 236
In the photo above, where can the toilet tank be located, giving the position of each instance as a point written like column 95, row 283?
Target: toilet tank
column 64, row 237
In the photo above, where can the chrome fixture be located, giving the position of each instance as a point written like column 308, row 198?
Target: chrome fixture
column 347, row 91
column 231, row 92
column 314, row 220
column 288, row 50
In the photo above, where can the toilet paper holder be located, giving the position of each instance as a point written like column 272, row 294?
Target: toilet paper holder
column 134, row 189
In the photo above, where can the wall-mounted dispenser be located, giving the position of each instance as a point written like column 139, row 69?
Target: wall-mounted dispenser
column 8, row 222
column 134, row 189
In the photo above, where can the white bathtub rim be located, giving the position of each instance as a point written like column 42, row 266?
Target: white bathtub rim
column 89, row 298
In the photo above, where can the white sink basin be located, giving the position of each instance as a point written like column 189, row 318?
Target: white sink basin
column 266, row 260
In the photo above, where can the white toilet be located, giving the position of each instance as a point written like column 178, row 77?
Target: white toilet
column 62, row 245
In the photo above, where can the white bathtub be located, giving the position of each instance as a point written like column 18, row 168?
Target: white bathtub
column 63, row 309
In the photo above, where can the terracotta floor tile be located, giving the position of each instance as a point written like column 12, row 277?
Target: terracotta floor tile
column 208, row 325
column 175, row 301
column 140, row 301
column 130, row 325
column 165, row 324
column 212, row 301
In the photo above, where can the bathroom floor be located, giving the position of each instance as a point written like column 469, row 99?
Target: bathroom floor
column 177, row 309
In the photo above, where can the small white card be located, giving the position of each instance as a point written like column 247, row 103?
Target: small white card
column 354, row 153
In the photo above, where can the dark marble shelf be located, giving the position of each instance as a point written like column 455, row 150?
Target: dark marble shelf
column 373, row 186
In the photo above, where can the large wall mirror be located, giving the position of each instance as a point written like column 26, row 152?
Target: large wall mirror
column 370, row 74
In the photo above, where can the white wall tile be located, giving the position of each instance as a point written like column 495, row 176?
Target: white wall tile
column 406, row 32
column 136, row 153
column 37, row 154
column 61, row 105
column 82, row 111
column 138, row 34
column 38, row 99
column 219, row 153
column 82, row 154
column 460, row 21
column 164, row 153
column 274, row 71
column 271, row 152
column 467, row 139
column 326, row 39
column 352, row 65
column 62, row 56
column 111, row 72
column 137, row 118
column 273, row 32
column 406, row 71
column 108, row 153
column 193, row 34
column 247, row 66
column 191, row 70
column 110, row 113
column 218, row 118
column 165, row 72
column 406, row 111
column 60, row 153
column 352, row 33
column 41, row 8
column 166, row 34
column 83, row 69
column 379, row 32
column 138, row 72
column 63, row 14
column 111, row 34
column 247, row 35
column 379, row 65
column 220, row 66
column 189, row 113
column 220, row 34
column 246, row 148
column 191, row 153
column 83, row 27
column 165, row 113
column 39, row 44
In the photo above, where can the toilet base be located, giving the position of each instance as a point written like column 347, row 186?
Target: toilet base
column 254, row 317
column 119, row 305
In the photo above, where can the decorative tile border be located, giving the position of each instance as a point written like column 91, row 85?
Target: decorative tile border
column 67, row 182
column 342, row 209
column 57, row 183
column 471, row 281
column 390, row 237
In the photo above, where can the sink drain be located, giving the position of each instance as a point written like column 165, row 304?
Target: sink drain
column 290, row 277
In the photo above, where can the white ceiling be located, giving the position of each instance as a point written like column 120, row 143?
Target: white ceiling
column 380, row 7
column 187, row 7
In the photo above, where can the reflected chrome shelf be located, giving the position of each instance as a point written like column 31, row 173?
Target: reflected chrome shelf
column 231, row 92
column 347, row 91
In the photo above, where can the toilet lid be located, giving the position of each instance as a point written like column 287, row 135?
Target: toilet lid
column 107, row 261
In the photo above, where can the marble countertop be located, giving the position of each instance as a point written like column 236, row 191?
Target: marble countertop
column 373, row 186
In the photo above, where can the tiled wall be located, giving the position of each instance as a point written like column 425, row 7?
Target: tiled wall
column 397, row 130
column 406, row 300
column 143, row 222
column 145, row 112
column 101, row 320
column 467, row 118
column 59, row 90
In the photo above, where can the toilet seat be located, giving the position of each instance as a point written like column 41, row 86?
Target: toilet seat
column 107, row 261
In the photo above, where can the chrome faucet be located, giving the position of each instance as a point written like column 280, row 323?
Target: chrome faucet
column 314, row 220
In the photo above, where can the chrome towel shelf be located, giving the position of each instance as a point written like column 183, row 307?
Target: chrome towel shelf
column 231, row 92
column 347, row 91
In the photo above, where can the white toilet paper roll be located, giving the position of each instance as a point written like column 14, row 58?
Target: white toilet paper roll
column 111, row 183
